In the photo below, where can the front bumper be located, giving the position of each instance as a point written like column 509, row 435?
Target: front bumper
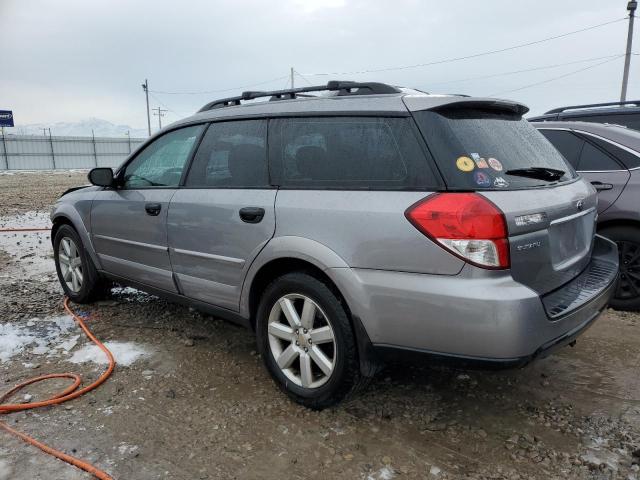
column 476, row 315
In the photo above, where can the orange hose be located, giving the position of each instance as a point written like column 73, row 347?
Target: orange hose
column 67, row 394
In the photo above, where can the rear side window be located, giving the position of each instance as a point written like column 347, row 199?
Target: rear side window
column 567, row 143
column 593, row 158
column 348, row 153
column 474, row 149
column 231, row 155
column 628, row 159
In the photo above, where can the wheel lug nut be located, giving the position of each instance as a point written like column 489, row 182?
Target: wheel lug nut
column 309, row 341
column 297, row 343
column 305, row 330
column 306, row 349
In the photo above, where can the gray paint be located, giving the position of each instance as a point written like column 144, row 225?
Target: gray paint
column 211, row 247
column 406, row 290
column 129, row 242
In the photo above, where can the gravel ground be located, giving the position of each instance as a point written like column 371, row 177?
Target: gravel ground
column 190, row 398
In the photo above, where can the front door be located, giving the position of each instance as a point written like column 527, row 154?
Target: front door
column 222, row 218
column 129, row 223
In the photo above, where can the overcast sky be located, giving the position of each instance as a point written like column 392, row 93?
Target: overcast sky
column 66, row 60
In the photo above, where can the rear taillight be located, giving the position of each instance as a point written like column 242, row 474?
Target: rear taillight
column 466, row 224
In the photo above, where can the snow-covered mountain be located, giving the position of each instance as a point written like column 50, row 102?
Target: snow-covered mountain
column 82, row 128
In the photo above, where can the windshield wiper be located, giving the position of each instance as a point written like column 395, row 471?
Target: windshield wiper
column 539, row 173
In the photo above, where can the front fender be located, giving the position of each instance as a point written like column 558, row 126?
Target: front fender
column 79, row 216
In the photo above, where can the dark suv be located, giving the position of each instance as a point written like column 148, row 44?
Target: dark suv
column 609, row 157
column 618, row 113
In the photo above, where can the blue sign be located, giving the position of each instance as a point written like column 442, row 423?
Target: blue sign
column 6, row 118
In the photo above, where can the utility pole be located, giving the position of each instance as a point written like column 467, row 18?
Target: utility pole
column 145, row 87
column 292, row 77
column 631, row 7
column 159, row 112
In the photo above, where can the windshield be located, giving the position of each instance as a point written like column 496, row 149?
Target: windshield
column 479, row 149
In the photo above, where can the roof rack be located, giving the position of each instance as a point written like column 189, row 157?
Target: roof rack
column 594, row 105
column 342, row 87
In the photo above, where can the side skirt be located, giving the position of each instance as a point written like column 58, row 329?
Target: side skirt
column 213, row 310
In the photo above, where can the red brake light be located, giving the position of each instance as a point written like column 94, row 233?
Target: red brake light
column 466, row 224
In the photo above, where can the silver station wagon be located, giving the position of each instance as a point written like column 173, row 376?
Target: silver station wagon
column 350, row 222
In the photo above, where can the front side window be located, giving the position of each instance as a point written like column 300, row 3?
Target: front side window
column 161, row 162
column 232, row 155
column 490, row 149
column 348, row 153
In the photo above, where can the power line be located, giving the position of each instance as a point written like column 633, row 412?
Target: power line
column 204, row 92
column 467, row 57
column 179, row 115
column 533, row 69
column 303, row 77
column 556, row 78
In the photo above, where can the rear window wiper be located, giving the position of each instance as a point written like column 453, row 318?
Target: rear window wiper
column 539, row 173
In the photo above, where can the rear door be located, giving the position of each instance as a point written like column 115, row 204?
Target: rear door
column 599, row 165
column 224, row 215
column 550, row 216
column 594, row 162
column 129, row 223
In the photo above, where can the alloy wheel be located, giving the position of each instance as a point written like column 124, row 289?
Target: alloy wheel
column 302, row 340
column 629, row 281
column 70, row 264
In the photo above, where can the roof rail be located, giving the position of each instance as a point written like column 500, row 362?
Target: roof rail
column 342, row 87
column 594, row 105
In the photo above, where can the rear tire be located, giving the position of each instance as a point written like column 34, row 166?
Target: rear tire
column 317, row 366
column 76, row 272
column 627, row 295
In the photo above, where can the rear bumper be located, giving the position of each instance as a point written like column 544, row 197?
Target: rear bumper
column 476, row 316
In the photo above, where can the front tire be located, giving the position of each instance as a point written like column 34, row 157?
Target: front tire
column 307, row 342
column 627, row 296
column 76, row 272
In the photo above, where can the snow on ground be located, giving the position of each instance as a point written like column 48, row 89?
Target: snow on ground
column 32, row 251
column 125, row 353
column 58, row 337
column 48, row 336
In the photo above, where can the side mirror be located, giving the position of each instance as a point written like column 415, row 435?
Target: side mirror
column 102, row 177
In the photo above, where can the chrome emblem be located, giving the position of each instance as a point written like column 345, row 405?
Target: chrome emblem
column 580, row 205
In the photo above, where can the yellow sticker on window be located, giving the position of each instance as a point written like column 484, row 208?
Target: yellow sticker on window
column 465, row 164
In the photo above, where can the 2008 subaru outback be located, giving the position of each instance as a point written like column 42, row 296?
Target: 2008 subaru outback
column 348, row 220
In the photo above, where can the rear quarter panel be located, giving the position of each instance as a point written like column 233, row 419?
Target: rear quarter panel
column 367, row 229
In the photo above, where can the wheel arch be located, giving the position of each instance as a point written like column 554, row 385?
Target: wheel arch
column 68, row 216
column 618, row 222
column 288, row 254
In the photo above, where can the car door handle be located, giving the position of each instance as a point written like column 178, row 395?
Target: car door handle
column 602, row 186
column 153, row 209
column 251, row 214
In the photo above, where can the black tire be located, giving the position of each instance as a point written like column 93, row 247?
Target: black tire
column 345, row 378
column 92, row 286
column 627, row 296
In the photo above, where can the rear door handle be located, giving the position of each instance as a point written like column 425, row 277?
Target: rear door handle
column 251, row 214
column 153, row 209
column 602, row 186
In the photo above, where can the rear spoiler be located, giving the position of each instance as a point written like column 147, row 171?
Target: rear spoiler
column 417, row 103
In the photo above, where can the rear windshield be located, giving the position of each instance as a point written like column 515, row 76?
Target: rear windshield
column 475, row 149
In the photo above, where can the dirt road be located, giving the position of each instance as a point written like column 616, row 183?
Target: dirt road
column 190, row 398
